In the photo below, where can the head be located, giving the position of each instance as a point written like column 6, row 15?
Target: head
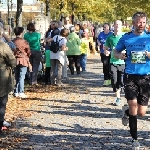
column 64, row 32
column 106, row 27
column 72, row 29
column 55, row 24
column 77, row 26
column 139, row 22
column 51, row 26
column 67, row 20
column 84, row 25
column 18, row 31
column 31, row 27
column 118, row 25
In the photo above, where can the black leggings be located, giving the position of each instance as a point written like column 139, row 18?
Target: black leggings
column 47, row 74
column 117, row 72
column 3, row 102
column 74, row 59
column 105, row 60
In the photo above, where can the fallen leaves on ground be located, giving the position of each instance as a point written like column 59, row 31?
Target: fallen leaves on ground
column 16, row 109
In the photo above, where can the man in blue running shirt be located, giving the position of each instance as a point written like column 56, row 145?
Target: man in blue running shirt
column 137, row 72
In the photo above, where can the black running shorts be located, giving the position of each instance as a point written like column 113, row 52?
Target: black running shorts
column 137, row 87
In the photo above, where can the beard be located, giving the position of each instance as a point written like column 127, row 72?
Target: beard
column 139, row 30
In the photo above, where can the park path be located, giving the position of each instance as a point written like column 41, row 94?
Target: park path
column 80, row 116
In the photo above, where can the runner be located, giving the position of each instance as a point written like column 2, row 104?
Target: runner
column 137, row 72
column 105, row 59
column 116, row 65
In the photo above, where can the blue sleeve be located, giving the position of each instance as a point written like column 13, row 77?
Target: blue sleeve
column 120, row 45
column 99, row 37
column 11, row 45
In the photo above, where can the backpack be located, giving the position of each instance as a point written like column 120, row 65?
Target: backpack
column 54, row 47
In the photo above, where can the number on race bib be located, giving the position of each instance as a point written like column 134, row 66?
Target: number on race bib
column 138, row 57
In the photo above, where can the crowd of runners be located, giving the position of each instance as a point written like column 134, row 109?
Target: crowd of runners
column 125, row 58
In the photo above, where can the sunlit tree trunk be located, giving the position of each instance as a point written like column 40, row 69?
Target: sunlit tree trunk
column 19, row 13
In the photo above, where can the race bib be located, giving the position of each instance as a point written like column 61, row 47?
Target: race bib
column 138, row 57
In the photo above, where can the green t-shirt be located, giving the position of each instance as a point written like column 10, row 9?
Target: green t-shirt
column 111, row 42
column 33, row 38
column 47, row 58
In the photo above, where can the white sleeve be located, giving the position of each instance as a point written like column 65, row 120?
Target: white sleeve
column 54, row 38
column 63, row 42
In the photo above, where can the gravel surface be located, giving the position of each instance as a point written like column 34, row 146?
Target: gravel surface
column 81, row 116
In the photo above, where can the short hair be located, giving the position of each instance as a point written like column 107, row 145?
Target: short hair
column 18, row 30
column 139, row 14
column 31, row 27
column 106, row 24
column 64, row 32
column 116, row 21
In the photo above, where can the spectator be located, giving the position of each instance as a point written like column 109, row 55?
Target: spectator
column 84, row 50
column 7, row 63
column 22, row 54
column 33, row 38
column 73, row 52
column 57, row 59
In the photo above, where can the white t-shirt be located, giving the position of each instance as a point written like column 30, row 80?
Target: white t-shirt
column 67, row 26
column 60, row 54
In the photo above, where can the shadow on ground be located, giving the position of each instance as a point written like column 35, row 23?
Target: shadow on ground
column 77, row 137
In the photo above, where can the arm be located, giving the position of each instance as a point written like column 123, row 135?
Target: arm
column 107, row 46
column 147, row 54
column 98, row 39
column 49, row 39
column 64, row 47
column 119, row 48
column 9, row 57
column 106, row 51
column 6, row 38
column 28, row 51
column 119, row 55
column 78, row 41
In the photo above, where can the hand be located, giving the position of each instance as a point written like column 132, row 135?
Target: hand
column 66, row 48
column 122, row 56
column 147, row 54
column 107, row 53
column 99, row 44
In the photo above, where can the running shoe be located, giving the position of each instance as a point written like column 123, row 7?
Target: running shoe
column 22, row 95
column 117, row 102
column 15, row 94
column 106, row 83
column 135, row 145
column 6, row 124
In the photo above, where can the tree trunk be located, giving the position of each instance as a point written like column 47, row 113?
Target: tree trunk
column 19, row 13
